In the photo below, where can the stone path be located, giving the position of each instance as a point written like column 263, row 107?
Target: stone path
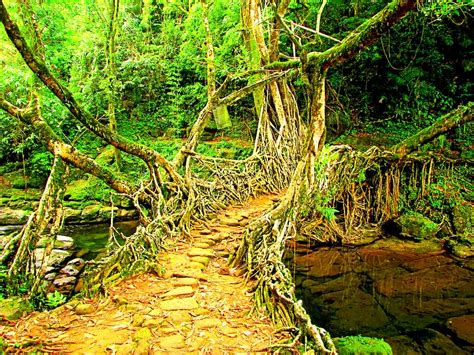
column 197, row 304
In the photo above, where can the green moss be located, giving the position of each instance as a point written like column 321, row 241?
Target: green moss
column 414, row 224
column 14, row 307
column 362, row 345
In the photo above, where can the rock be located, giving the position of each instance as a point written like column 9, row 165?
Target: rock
column 191, row 274
column 403, row 345
column 179, row 304
column 91, row 212
column 200, row 259
column 84, row 308
column 142, row 334
column 426, row 262
column 206, row 231
column 231, row 222
column 152, row 323
column 63, row 242
column 77, row 263
column 200, row 252
column 463, row 327
column 196, row 266
column 349, row 280
column 172, row 342
column 179, row 291
column 350, row 311
column 324, row 263
column 202, row 245
column 445, row 281
column 14, row 308
column 208, row 323
column 179, row 317
column 50, row 277
column 69, row 270
column 105, row 212
column 462, row 249
column 138, row 319
column 71, row 215
column 55, row 258
column 64, row 281
column 187, row 281
column 12, row 216
column 362, row 345
column 433, row 342
column 415, row 225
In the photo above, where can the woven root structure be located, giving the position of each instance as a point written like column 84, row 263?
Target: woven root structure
column 368, row 188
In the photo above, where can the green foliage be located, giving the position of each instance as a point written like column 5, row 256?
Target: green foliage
column 359, row 345
column 55, row 299
column 39, row 166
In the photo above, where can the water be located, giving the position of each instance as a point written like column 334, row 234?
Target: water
column 419, row 301
column 90, row 240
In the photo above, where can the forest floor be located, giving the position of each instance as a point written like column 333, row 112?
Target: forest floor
column 196, row 304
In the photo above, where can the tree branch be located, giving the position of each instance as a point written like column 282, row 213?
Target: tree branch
column 69, row 154
column 444, row 124
column 65, row 96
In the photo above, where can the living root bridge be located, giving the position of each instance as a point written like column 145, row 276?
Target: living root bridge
column 353, row 190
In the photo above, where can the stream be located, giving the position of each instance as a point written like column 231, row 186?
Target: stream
column 414, row 295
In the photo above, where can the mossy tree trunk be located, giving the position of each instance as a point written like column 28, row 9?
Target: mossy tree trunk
column 444, row 124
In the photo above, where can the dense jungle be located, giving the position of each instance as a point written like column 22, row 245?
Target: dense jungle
column 237, row 176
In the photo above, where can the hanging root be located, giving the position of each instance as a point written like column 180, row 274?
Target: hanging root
column 45, row 222
column 261, row 254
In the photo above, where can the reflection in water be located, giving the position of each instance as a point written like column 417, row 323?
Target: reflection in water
column 400, row 295
column 91, row 240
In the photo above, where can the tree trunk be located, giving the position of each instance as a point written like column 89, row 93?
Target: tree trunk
column 114, row 6
column 444, row 124
column 64, row 95
column 68, row 153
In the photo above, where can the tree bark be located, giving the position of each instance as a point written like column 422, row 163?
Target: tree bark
column 444, row 124
column 68, row 153
column 65, row 96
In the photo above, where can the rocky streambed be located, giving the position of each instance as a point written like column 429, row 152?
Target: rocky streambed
column 414, row 294
column 71, row 250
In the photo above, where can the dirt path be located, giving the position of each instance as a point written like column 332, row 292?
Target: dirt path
column 198, row 305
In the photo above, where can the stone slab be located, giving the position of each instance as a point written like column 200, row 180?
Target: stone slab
column 200, row 252
column 179, row 304
column 179, row 291
column 186, row 281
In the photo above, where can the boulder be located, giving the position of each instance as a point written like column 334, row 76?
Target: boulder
column 84, row 308
column 416, row 226
column 57, row 257
column 463, row 327
column 62, row 242
column 14, row 308
column 64, row 282
column 433, row 342
column 13, row 216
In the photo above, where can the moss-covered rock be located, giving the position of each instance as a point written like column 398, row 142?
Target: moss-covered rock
column 416, row 226
column 13, row 216
column 14, row 307
column 361, row 345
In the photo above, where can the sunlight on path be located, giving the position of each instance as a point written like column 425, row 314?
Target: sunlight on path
column 198, row 305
